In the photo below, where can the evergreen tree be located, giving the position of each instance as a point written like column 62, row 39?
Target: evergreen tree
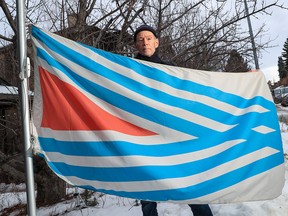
column 236, row 63
column 283, row 72
column 285, row 54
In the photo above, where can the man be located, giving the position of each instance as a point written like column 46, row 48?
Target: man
column 146, row 42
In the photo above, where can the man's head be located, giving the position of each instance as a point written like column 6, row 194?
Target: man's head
column 146, row 41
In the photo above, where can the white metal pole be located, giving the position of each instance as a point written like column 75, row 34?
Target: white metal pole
column 23, row 74
column 250, row 33
column 251, row 36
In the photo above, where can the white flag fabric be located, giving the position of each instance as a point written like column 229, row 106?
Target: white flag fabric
column 154, row 132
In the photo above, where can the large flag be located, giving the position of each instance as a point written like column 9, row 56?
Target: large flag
column 147, row 131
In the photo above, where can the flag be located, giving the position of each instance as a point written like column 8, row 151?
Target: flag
column 147, row 131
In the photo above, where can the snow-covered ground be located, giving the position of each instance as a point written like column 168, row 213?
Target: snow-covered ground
column 118, row 206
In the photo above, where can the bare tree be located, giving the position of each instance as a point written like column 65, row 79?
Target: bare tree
column 200, row 34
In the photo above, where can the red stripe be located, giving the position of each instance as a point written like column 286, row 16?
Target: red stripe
column 65, row 108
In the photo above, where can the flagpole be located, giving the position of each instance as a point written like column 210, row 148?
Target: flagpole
column 24, row 75
column 251, row 36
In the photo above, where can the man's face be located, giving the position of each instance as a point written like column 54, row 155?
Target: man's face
column 146, row 43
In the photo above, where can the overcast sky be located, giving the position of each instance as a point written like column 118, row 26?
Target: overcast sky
column 277, row 26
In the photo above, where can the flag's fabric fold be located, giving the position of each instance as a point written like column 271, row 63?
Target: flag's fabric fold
column 154, row 132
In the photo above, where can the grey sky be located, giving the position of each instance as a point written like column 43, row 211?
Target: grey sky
column 276, row 26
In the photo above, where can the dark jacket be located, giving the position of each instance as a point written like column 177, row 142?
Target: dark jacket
column 154, row 58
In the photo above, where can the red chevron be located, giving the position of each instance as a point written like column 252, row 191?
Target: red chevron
column 66, row 108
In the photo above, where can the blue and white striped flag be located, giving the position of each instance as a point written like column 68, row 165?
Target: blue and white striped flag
column 154, row 132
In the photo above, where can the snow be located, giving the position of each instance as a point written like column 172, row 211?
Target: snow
column 8, row 90
column 11, row 90
column 109, row 205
